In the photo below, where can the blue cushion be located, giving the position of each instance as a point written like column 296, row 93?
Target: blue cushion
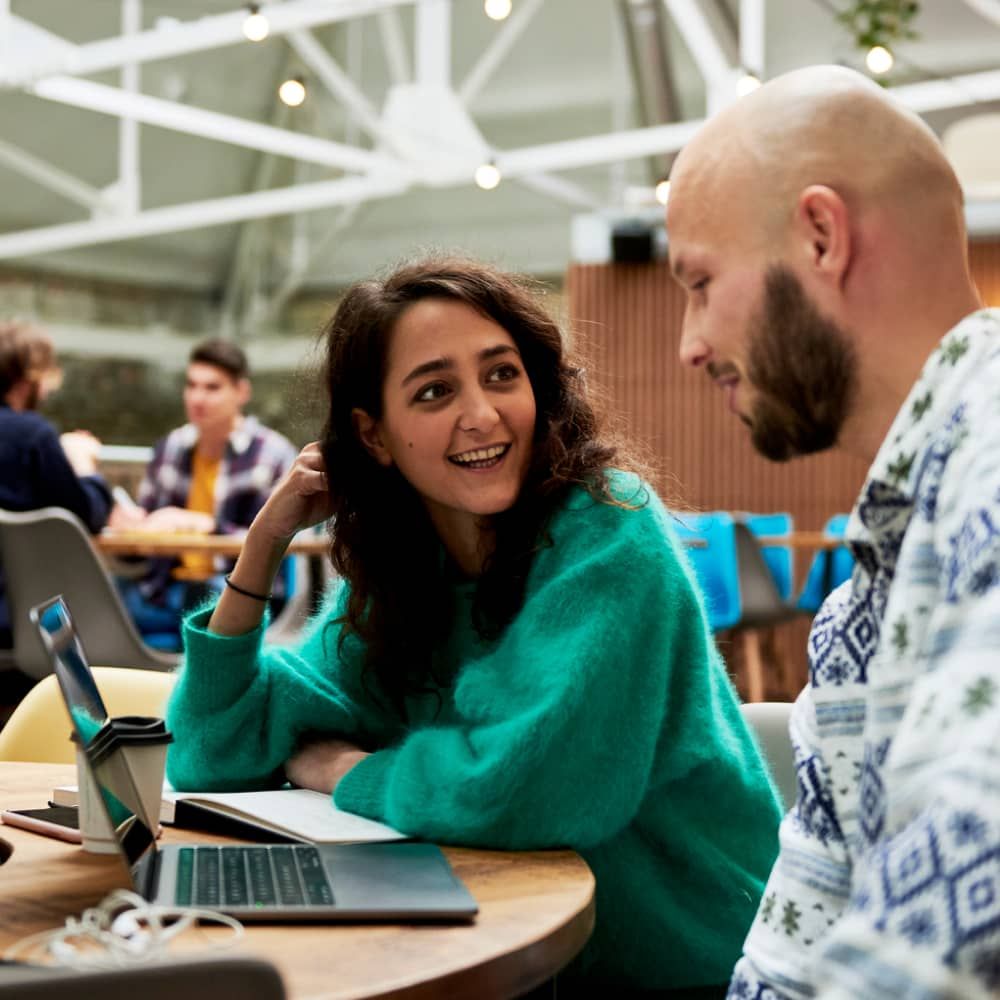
column 714, row 564
column 829, row 569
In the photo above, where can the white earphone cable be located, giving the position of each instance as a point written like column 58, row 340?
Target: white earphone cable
column 123, row 929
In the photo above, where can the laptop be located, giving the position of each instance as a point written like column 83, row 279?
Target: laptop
column 398, row 881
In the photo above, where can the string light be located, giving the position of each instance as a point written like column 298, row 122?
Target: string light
column 879, row 59
column 487, row 176
column 497, row 10
column 662, row 191
column 255, row 26
column 292, row 91
column 747, row 84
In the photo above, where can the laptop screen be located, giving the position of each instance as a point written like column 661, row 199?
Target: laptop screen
column 118, row 793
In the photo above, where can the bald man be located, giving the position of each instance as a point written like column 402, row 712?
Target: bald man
column 818, row 231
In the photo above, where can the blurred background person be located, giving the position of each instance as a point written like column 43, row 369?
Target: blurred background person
column 38, row 467
column 210, row 476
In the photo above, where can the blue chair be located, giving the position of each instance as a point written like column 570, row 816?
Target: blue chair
column 829, row 569
column 777, row 557
column 714, row 563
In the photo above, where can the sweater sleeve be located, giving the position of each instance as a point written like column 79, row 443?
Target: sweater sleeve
column 59, row 486
column 239, row 708
column 560, row 722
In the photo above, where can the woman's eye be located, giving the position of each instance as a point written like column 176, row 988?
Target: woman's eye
column 503, row 373
column 432, row 393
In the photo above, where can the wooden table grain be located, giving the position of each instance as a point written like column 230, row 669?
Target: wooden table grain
column 815, row 540
column 176, row 543
column 536, row 913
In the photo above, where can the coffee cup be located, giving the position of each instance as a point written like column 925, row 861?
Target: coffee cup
column 123, row 763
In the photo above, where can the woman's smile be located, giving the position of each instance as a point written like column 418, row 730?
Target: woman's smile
column 480, row 459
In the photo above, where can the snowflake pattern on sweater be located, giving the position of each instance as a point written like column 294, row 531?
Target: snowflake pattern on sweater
column 888, row 880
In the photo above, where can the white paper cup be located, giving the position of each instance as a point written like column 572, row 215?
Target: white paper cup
column 131, row 768
column 146, row 763
column 95, row 827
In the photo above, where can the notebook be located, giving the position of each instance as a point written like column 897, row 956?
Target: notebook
column 283, row 814
column 371, row 881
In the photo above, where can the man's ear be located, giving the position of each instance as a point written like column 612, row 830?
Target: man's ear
column 822, row 232
column 369, row 434
column 244, row 391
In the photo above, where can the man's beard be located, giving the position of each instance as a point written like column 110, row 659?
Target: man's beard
column 804, row 369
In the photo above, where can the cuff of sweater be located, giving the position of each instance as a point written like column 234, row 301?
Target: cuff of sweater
column 228, row 663
column 362, row 789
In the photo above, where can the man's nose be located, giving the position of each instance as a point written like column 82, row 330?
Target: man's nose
column 693, row 349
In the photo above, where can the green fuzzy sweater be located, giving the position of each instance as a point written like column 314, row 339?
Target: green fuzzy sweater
column 601, row 719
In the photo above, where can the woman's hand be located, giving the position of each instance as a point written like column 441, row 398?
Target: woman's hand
column 321, row 764
column 300, row 500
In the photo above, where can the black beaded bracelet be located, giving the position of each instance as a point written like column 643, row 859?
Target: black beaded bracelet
column 263, row 598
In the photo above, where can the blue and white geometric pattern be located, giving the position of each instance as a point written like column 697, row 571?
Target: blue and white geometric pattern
column 897, row 736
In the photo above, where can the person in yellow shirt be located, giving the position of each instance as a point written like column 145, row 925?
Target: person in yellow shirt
column 210, row 476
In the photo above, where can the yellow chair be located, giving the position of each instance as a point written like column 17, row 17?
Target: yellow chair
column 39, row 728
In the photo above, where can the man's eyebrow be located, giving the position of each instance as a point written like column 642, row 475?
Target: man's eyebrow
column 444, row 363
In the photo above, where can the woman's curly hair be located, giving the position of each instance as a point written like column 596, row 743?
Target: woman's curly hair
column 383, row 542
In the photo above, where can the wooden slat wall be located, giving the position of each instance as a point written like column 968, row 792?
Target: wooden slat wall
column 626, row 322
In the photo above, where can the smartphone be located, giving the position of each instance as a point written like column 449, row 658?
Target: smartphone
column 61, row 822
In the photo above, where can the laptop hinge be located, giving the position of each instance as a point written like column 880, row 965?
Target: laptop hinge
column 145, row 873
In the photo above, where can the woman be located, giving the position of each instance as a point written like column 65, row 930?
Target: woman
column 517, row 657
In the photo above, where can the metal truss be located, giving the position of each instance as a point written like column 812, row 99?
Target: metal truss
column 423, row 136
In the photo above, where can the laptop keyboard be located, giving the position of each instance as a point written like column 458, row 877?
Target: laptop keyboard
column 252, row 876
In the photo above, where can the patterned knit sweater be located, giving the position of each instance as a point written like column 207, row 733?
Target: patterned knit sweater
column 601, row 719
column 888, row 881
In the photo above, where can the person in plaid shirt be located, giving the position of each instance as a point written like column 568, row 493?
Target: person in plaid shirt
column 210, row 476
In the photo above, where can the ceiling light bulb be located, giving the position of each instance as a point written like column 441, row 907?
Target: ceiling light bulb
column 255, row 26
column 662, row 191
column 487, row 176
column 747, row 84
column 292, row 92
column 497, row 10
column 879, row 59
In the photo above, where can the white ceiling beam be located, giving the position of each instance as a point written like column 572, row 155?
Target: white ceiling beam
column 182, row 39
column 298, row 274
column 397, row 60
column 207, row 124
column 752, row 46
column 561, row 189
column 129, row 181
column 50, row 176
column 5, row 31
column 432, row 41
column 989, row 9
column 200, row 214
column 952, row 92
column 706, row 51
column 338, row 83
column 495, row 53
column 596, row 149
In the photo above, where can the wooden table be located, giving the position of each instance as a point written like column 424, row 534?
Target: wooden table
column 175, row 543
column 536, row 913
column 815, row 540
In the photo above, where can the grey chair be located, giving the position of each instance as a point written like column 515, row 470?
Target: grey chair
column 769, row 721
column 224, row 978
column 47, row 552
column 762, row 606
